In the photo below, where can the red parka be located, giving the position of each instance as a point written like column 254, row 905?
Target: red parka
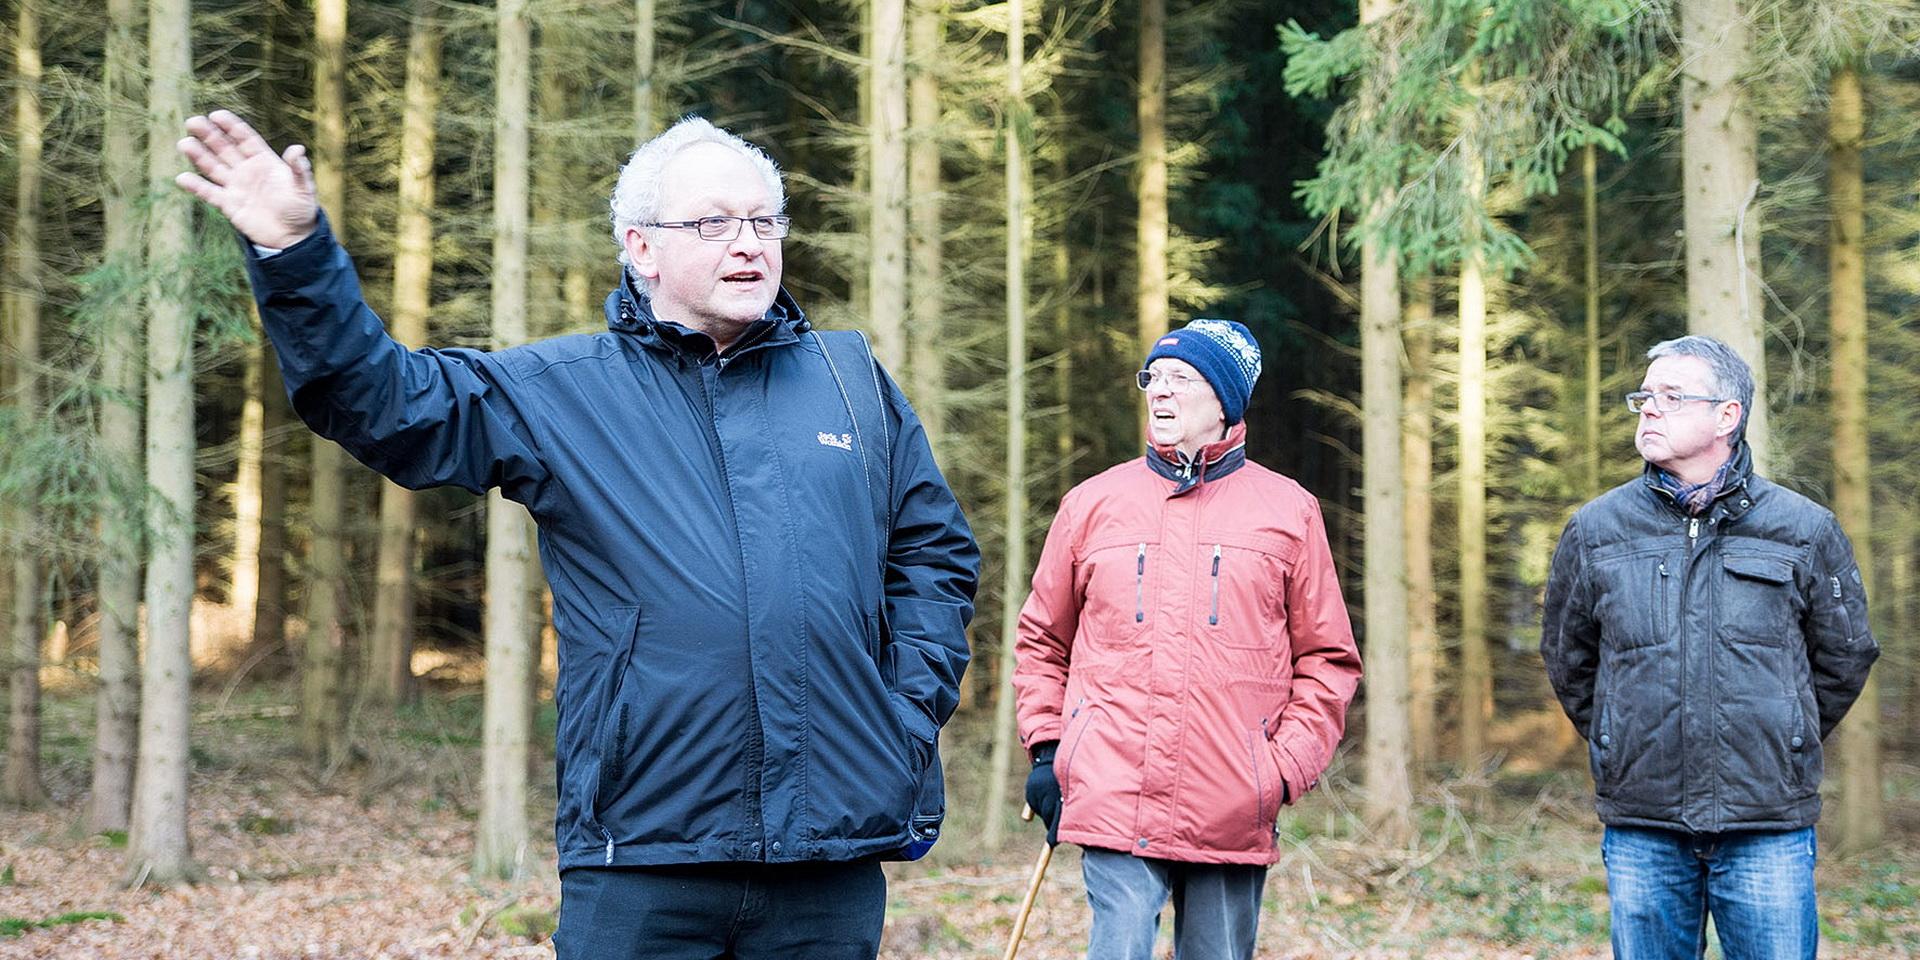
column 1187, row 645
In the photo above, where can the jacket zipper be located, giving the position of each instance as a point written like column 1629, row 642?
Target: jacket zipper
column 757, row 737
column 1846, row 616
column 1140, row 585
column 1214, row 616
column 1663, row 625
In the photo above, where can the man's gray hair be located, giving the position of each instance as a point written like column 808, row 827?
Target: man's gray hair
column 1732, row 378
column 637, row 198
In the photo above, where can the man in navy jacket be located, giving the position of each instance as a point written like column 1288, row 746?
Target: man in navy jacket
column 760, row 580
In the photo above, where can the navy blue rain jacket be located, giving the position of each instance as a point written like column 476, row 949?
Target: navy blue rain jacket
column 739, row 681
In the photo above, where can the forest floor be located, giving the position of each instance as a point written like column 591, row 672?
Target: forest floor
column 371, row 862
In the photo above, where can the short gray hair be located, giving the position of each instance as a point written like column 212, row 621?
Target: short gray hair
column 1732, row 378
column 637, row 198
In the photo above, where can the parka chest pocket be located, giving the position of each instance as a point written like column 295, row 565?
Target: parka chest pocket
column 1759, row 601
column 1635, row 598
column 1117, row 579
column 1239, row 593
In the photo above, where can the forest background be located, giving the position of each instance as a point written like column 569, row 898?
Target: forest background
column 236, row 657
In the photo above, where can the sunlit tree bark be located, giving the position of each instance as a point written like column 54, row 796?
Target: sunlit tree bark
column 158, row 851
column 1015, row 572
column 1389, row 787
column 322, row 690
column 1862, row 818
column 117, row 708
column 1721, row 180
column 389, row 675
column 503, row 831
column 20, row 782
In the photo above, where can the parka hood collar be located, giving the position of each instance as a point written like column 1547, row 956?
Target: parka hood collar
column 629, row 310
column 1216, row 460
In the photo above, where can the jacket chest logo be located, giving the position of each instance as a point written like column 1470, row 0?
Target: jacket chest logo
column 843, row 441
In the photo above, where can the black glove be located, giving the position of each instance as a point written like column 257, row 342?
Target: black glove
column 1043, row 790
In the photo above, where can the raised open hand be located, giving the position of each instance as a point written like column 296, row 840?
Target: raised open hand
column 268, row 198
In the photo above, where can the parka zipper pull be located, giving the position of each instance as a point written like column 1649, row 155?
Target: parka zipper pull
column 1693, row 530
column 609, row 835
column 1140, row 586
column 1836, row 586
column 1213, row 618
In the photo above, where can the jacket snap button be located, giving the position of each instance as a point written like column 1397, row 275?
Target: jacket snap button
column 776, row 846
column 1605, row 740
column 1797, row 741
column 756, row 849
column 1143, row 843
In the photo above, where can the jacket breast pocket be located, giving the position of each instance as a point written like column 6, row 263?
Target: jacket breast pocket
column 1635, row 599
column 1239, row 601
column 1119, row 593
column 1759, row 602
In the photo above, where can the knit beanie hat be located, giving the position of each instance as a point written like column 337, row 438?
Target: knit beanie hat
column 1224, row 352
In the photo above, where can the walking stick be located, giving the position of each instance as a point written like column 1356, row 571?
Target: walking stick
column 1033, row 891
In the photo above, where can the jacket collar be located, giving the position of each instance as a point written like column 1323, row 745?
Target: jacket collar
column 1726, row 504
column 1215, row 460
column 630, row 311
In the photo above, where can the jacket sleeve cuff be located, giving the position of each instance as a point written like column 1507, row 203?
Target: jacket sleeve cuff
column 272, row 272
column 1298, row 780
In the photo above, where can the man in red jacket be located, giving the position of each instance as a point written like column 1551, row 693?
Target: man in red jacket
column 1184, row 662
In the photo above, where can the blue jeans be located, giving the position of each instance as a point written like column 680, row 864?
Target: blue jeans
column 1216, row 906
column 832, row 911
column 1757, row 885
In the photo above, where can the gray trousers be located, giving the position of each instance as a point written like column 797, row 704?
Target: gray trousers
column 1216, row 906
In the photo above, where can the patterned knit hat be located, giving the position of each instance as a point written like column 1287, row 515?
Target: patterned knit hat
column 1224, row 352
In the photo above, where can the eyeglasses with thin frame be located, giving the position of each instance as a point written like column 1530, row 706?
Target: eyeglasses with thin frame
column 726, row 229
column 1665, row 401
column 1175, row 382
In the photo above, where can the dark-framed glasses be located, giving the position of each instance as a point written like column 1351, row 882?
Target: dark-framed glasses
column 1665, row 401
column 728, row 228
column 1176, row 382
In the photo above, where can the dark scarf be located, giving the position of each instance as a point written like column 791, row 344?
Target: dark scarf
column 1694, row 497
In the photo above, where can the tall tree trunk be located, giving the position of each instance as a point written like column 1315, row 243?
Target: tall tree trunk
column 503, row 830
column 1013, row 590
column 1063, row 332
column 250, row 448
column 1721, row 179
column 270, row 602
column 1423, row 631
column 1151, row 292
column 1589, row 175
column 389, row 676
column 158, row 850
column 926, row 245
column 887, row 188
column 1900, row 587
column 322, row 687
column 1862, row 817
column 645, row 111
column 117, row 708
column 260, row 583
column 1389, row 787
column 20, row 783
column 1476, row 673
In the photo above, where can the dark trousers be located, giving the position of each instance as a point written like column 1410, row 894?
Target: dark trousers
column 828, row 911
